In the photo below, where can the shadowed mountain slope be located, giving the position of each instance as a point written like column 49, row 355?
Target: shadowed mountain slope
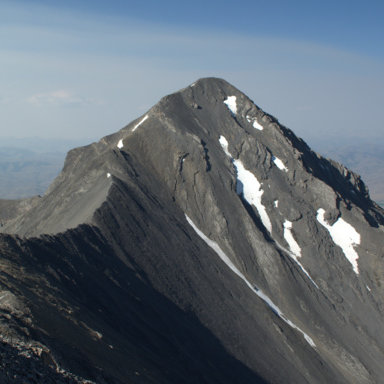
column 202, row 243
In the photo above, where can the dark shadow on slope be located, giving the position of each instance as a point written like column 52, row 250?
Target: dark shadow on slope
column 152, row 339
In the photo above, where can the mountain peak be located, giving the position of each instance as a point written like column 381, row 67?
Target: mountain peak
column 215, row 84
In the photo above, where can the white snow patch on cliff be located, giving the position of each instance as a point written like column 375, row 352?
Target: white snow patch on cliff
column 139, row 123
column 224, row 144
column 230, row 102
column 257, row 125
column 248, row 186
column 108, row 175
column 276, row 203
column 120, row 144
column 212, row 244
column 343, row 235
column 279, row 164
column 294, row 247
column 254, row 122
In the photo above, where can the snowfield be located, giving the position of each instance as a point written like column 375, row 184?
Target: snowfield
column 279, row 164
column 248, row 186
column 343, row 235
column 230, row 102
column 140, row 122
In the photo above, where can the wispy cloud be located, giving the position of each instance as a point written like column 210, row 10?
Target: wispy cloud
column 57, row 98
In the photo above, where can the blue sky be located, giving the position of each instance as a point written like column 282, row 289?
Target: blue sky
column 86, row 68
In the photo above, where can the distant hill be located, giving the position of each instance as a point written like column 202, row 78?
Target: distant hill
column 25, row 173
column 28, row 166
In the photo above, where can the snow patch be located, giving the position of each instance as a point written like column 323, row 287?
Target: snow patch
column 276, row 203
column 212, row 244
column 230, row 102
column 279, row 164
column 369, row 289
column 120, row 144
column 257, row 125
column 248, row 186
column 254, row 122
column 224, row 144
column 343, row 235
column 294, row 247
column 108, row 175
column 139, row 123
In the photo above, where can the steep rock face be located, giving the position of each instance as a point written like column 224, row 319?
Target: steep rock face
column 204, row 242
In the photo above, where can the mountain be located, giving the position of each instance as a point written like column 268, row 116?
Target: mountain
column 202, row 243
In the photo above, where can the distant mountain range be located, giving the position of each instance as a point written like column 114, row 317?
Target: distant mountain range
column 25, row 173
column 29, row 165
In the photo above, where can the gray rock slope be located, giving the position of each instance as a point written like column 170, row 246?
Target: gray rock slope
column 202, row 243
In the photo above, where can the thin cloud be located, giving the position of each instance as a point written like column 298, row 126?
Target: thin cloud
column 57, row 98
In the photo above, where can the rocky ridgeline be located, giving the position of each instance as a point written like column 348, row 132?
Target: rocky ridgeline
column 31, row 363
